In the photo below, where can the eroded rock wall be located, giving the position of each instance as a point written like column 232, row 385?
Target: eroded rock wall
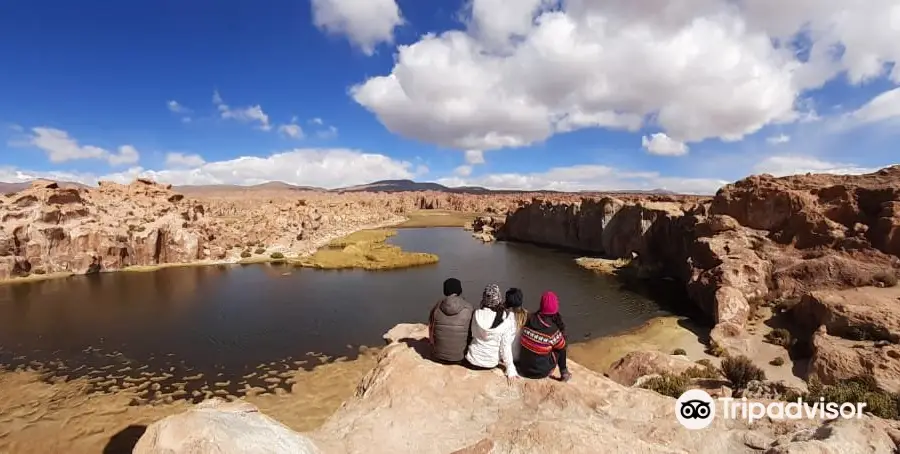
column 762, row 237
column 48, row 229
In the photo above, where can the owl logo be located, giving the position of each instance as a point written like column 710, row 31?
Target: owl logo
column 695, row 409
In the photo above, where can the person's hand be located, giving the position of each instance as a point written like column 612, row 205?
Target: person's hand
column 512, row 379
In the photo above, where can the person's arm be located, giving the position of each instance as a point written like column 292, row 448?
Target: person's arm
column 559, row 341
column 560, row 348
column 431, row 324
column 471, row 319
column 506, row 353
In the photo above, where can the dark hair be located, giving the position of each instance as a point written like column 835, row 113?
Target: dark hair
column 499, row 312
column 452, row 286
column 556, row 319
column 514, row 298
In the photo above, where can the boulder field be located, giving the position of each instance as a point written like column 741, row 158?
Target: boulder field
column 408, row 403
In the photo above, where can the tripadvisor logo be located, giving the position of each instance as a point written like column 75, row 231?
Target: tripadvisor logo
column 696, row 409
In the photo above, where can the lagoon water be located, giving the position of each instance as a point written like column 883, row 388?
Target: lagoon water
column 228, row 322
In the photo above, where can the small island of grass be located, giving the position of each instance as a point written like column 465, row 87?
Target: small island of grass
column 365, row 250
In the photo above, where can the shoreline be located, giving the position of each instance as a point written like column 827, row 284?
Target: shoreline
column 664, row 334
column 305, row 252
column 411, row 220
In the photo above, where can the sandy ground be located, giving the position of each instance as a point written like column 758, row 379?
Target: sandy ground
column 41, row 417
column 664, row 334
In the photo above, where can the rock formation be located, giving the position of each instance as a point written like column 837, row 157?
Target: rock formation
column 49, row 229
column 761, row 238
column 216, row 426
column 408, row 403
column 637, row 364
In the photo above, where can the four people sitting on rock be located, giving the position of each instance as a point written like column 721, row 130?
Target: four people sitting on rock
column 501, row 331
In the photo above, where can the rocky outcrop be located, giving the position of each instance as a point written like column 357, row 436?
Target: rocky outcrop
column 216, row 426
column 862, row 314
column 447, row 409
column 835, row 359
column 408, row 403
column 48, row 229
column 483, row 227
column 847, row 211
column 760, row 238
column 627, row 370
column 718, row 260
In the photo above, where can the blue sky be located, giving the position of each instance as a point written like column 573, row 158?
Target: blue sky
column 530, row 95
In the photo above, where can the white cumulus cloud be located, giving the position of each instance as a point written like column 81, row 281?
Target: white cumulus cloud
column 798, row 164
column 176, row 107
column 328, row 168
column 696, row 69
column 663, row 145
column 463, row 171
column 474, row 157
column 291, row 130
column 882, row 107
column 179, row 160
column 365, row 23
column 60, row 147
column 250, row 114
column 781, row 138
column 587, row 178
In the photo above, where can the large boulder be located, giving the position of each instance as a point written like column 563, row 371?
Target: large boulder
column 627, row 370
column 865, row 313
column 835, row 359
column 218, row 427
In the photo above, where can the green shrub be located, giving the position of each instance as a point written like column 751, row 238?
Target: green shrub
column 780, row 336
column 277, row 255
column 667, row 385
column 260, row 251
column 779, row 361
column 717, row 350
column 864, row 388
column 705, row 363
column 246, row 254
column 679, row 351
column 887, row 278
column 707, row 372
column 740, row 371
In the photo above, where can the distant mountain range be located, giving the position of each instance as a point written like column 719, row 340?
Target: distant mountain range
column 377, row 186
column 409, row 185
column 270, row 186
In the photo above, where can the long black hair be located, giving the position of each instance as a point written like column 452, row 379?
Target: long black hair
column 556, row 319
column 499, row 312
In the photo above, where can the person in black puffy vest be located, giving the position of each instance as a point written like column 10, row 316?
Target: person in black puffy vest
column 449, row 324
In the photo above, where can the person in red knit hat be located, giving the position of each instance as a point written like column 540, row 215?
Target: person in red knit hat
column 544, row 342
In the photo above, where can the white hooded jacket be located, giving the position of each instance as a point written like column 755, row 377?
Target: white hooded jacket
column 488, row 345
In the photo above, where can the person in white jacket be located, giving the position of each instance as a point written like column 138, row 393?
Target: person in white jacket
column 493, row 333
